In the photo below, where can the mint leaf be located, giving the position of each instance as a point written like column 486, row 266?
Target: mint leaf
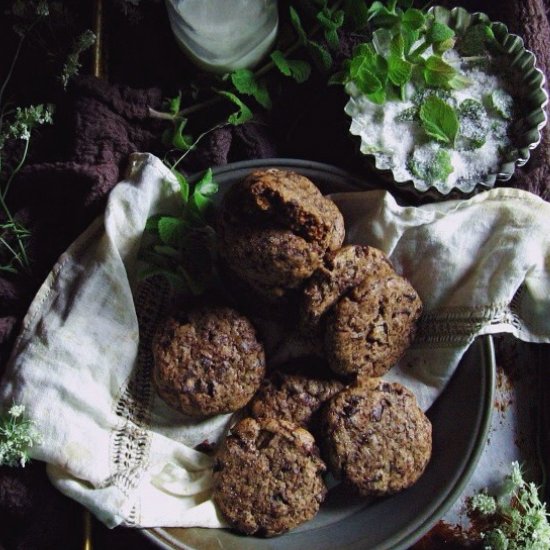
column 439, row 120
column 174, row 104
column 201, row 198
column 206, row 186
column 399, row 70
column 331, row 22
column 242, row 115
column 475, row 40
column 430, row 163
column 176, row 137
column 184, row 186
column 407, row 115
column 321, row 56
column 152, row 223
column 441, row 47
column 297, row 69
column 439, row 32
column 245, row 82
column 410, row 37
column 357, row 13
column 437, row 72
column 170, row 230
column 380, row 15
column 501, row 103
column 397, row 46
column 474, row 124
column 459, row 82
column 413, row 19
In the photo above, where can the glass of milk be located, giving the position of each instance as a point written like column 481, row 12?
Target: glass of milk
column 224, row 35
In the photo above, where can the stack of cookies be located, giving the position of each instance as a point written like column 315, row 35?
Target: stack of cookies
column 282, row 246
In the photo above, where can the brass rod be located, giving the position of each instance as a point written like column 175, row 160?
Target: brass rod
column 99, row 64
column 87, row 544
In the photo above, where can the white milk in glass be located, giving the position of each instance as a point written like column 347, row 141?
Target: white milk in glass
column 224, row 35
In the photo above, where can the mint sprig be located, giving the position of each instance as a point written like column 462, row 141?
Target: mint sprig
column 439, row 120
column 412, row 43
column 182, row 247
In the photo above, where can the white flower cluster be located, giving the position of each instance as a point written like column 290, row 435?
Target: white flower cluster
column 522, row 519
column 27, row 118
column 17, row 436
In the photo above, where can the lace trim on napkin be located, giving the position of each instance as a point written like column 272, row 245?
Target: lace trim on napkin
column 131, row 441
column 458, row 326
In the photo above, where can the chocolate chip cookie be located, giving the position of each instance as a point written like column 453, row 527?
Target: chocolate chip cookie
column 207, row 361
column 267, row 477
column 370, row 327
column 376, row 438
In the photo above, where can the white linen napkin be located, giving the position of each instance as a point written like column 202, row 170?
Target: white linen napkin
column 82, row 363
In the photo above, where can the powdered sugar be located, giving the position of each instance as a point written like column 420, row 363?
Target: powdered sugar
column 393, row 141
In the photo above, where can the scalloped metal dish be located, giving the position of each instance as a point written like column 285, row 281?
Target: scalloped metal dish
column 395, row 522
column 535, row 100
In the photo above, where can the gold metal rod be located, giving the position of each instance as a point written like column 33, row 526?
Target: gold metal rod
column 87, row 544
column 99, row 65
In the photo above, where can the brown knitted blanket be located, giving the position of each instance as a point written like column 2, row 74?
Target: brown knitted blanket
column 66, row 185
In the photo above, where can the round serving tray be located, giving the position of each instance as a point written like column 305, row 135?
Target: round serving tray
column 394, row 522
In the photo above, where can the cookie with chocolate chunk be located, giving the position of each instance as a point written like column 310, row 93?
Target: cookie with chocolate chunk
column 376, row 438
column 370, row 327
column 342, row 270
column 207, row 361
column 293, row 397
column 274, row 229
column 268, row 477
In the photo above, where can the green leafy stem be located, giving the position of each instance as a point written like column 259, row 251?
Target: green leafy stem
column 408, row 46
column 239, row 85
column 182, row 247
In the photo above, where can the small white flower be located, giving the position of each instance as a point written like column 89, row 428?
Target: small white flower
column 17, row 410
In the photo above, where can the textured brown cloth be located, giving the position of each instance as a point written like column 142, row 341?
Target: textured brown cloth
column 100, row 124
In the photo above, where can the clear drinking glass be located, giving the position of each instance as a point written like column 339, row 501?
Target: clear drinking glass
column 224, row 35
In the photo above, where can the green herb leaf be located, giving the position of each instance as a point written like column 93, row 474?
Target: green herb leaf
column 439, row 120
column 474, row 124
column 206, row 186
column 399, row 70
column 184, row 186
column 407, row 115
column 245, row 82
column 295, row 68
column 437, row 72
column 331, row 22
column 410, row 37
column 459, row 82
column 174, row 104
column 501, row 103
column 152, row 223
column 242, row 115
column 430, row 163
column 381, row 15
column 170, row 230
column 357, row 14
column 413, row 19
column 178, row 139
column 475, row 40
column 321, row 56
column 441, row 47
column 439, row 32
